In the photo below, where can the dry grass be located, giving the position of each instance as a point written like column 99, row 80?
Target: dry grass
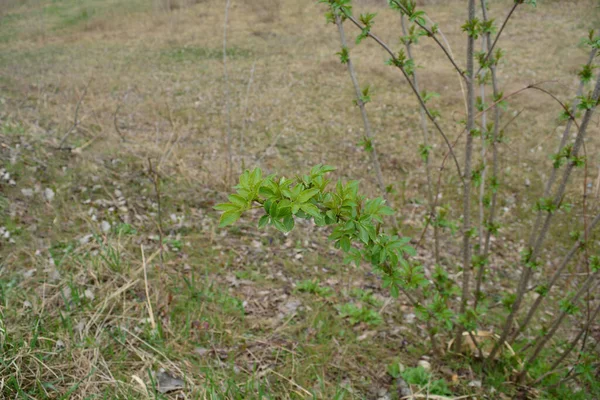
column 156, row 81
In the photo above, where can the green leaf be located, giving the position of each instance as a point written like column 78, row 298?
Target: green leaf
column 345, row 243
column 266, row 192
column 307, row 195
column 288, row 223
column 264, row 220
column 239, row 200
column 227, row 207
column 229, row 218
column 273, row 209
column 363, row 234
column 311, row 209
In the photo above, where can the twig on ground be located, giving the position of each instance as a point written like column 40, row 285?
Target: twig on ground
column 76, row 116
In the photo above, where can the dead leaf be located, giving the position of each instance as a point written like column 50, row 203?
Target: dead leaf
column 167, row 382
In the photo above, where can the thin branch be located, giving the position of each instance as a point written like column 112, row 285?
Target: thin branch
column 363, row 110
column 566, row 132
column 432, row 35
column 415, row 91
column 483, row 153
column 489, row 53
column 592, row 319
column 226, row 90
column 536, row 245
column 116, row 122
column 245, row 112
column 155, row 177
column 557, row 274
column 495, row 162
column 76, row 116
column 427, row 161
column 466, row 245
column 460, row 81
column 555, row 325
column 443, row 166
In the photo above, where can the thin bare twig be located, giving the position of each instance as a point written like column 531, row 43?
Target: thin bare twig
column 363, row 111
column 155, row 177
column 245, row 112
column 150, row 312
column 115, row 119
column 460, row 76
column 227, row 105
column 76, row 116
column 427, row 158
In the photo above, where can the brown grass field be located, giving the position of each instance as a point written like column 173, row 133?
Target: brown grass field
column 91, row 308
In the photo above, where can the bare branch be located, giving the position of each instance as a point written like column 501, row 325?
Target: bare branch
column 245, row 112
column 76, row 116
column 226, row 90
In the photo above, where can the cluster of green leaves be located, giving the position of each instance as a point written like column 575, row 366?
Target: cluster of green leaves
column 472, row 27
column 409, row 8
column 527, row 259
column 591, row 40
column 422, row 378
column 566, row 114
column 368, row 21
column 586, row 73
column 441, row 219
column 356, row 220
column 545, row 204
column 367, row 144
column 587, row 102
column 424, row 152
column 314, row 287
column 566, row 155
column 413, row 35
column 343, row 8
column 403, row 62
column 567, row 305
column 344, row 55
column 595, row 263
column 366, row 296
column 357, row 314
column 528, row 2
column 365, row 96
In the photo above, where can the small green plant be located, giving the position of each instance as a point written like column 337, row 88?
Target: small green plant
column 366, row 296
column 395, row 369
column 314, row 287
column 423, row 380
column 357, row 314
